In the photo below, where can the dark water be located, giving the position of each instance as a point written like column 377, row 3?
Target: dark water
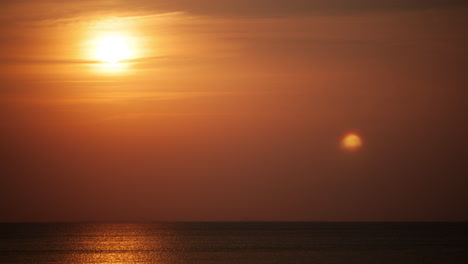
column 234, row 243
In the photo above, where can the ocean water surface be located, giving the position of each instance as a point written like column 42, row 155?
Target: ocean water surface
column 244, row 242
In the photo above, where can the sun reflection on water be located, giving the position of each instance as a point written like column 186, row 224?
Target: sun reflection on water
column 117, row 243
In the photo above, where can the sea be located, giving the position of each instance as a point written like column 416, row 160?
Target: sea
column 236, row 242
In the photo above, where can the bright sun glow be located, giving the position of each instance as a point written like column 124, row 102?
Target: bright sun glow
column 351, row 142
column 113, row 49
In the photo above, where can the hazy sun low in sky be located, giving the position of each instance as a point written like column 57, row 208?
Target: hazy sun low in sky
column 351, row 141
column 113, row 49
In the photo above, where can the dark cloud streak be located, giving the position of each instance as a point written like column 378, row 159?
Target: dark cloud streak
column 71, row 61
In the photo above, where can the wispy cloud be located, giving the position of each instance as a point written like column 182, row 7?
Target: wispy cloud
column 293, row 7
column 51, row 10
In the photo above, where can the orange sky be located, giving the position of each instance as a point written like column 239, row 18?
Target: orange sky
column 233, row 110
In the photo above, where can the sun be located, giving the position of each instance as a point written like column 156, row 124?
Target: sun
column 351, row 141
column 113, row 49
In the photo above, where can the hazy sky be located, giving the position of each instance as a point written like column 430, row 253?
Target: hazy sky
column 234, row 110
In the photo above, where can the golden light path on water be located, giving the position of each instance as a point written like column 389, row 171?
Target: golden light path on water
column 118, row 243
